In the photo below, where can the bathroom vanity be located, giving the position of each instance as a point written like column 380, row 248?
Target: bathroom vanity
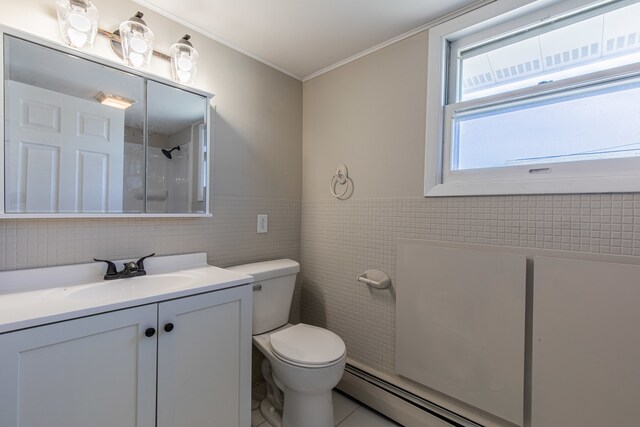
column 169, row 349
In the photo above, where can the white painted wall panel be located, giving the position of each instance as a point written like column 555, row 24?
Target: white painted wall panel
column 586, row 348
column 460, row 320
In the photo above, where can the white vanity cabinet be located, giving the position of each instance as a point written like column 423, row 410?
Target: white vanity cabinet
column 204, row 363
column 95, row 371
column 182, row 362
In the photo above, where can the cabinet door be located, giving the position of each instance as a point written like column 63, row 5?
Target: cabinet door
column 204, row 363
column 96, row 371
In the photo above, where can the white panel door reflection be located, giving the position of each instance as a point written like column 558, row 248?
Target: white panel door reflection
column 65, row 153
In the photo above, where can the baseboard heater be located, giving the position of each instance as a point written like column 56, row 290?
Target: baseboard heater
column 396, row 403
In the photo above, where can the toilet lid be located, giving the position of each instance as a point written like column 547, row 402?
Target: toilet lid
column 308, row 345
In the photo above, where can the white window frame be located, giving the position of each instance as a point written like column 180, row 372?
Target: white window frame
column 489, row 21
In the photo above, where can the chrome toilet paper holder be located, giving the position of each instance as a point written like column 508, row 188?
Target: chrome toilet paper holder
column 375, row 278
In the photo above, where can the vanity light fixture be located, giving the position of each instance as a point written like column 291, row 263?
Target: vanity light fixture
column 137, row 41
column 184, row 61
column 78, row 20
column 133, row 42
column 115, row 101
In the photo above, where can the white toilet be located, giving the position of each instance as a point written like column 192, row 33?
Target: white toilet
column 306, row 362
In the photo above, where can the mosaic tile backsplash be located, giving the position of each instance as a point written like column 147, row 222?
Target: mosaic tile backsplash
column 229, row 237
column 335, row 242
column 340, row 240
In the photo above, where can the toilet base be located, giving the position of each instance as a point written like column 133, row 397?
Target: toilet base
column 302, row 410
column 308, row 410
column 270, row 413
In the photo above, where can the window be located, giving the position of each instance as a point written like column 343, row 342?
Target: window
column 535, row 100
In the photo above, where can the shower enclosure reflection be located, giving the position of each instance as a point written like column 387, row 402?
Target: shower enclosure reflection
column 176, row 152
column 85, row 138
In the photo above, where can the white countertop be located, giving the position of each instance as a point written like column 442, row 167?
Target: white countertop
column 46, row 300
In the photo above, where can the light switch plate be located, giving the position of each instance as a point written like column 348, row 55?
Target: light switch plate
column 263, row 223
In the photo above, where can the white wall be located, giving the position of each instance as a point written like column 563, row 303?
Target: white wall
column 370, row 114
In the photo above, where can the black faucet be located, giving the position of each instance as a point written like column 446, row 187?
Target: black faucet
column 131, row 269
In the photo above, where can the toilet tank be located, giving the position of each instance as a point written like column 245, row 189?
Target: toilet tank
column 273, row 284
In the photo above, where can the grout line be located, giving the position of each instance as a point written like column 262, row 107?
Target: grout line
column 349, row 415
column 356, row 403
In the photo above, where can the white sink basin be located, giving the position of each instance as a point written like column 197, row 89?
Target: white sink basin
column 39, row 296
column 134, row 287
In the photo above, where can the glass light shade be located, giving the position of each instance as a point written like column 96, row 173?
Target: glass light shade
column 137, row 42
column 184, row 61
column 78, row 20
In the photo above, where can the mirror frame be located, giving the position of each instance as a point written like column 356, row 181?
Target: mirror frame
column 5, row 30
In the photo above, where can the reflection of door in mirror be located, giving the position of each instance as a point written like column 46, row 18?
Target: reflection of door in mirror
column 65, row 125
column 65, row 153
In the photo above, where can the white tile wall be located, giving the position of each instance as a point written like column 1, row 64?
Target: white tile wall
column 342, row 239
column 337, row 241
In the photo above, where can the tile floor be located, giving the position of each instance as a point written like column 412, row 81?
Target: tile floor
column 346, row 413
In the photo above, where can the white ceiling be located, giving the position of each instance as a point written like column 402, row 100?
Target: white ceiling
column 304, row 37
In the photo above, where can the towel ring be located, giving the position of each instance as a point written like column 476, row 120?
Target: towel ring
column 341, row 177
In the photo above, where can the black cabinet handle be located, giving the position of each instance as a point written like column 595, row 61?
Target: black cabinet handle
column 168, row 327
column 149, row 332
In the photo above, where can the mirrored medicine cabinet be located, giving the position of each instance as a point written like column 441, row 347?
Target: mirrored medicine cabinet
column 84, row 137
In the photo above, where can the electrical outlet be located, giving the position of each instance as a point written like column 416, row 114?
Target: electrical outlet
column 263, row 223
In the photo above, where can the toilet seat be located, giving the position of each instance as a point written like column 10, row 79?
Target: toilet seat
column 307, row 346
